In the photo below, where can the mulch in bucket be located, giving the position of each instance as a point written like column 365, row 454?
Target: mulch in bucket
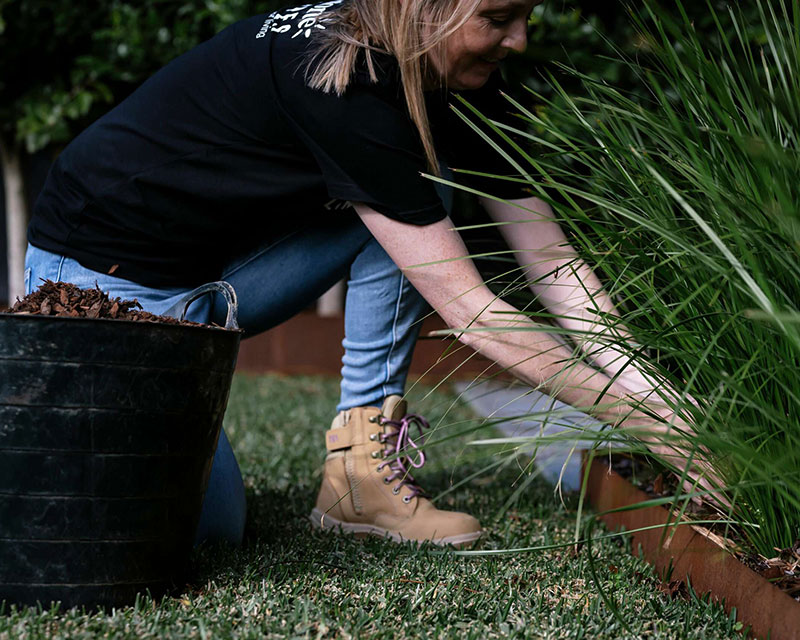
column 66, row 300
column 109, row 417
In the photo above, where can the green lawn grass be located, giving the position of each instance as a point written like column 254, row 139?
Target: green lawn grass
column 291, row 581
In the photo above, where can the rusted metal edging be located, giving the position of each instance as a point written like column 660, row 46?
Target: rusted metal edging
column 766, row 609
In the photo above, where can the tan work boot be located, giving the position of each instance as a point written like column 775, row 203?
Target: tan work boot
column 367, row 487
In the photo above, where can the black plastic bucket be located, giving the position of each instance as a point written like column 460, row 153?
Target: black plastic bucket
column 107, row 434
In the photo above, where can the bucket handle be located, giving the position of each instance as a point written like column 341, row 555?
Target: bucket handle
column 221, row 287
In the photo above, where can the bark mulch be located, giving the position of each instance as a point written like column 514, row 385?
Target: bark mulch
column 67, row 300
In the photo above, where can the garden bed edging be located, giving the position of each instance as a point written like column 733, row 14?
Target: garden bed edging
column 693, row 557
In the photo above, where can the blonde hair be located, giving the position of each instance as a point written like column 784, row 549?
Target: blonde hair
column 410, row 30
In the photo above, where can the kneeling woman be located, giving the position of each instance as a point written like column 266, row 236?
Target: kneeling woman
column 285, row 154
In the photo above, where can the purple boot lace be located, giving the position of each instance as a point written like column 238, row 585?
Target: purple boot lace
column 399, row 443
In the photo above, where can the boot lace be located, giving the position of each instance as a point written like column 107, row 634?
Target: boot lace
column 399, row 443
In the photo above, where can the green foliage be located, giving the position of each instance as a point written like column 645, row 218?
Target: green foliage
column 570, row 32
column 598, row 39
column 683, row 193
column 139, row 38
column 41, row 89
column 69, row 63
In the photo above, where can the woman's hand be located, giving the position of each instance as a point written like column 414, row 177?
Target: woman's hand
column 673, row 438
column 572, row 293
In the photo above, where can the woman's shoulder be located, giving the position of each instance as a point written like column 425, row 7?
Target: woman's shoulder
column 385, row 67
column 291, row 31
column 300, row 21
column 296, row 39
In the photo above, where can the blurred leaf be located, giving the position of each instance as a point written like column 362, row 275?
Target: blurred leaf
column 64, row 65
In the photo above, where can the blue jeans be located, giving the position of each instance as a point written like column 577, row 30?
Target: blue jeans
column 273, row 283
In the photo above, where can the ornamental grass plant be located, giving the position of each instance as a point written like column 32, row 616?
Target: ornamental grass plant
column 683, row 195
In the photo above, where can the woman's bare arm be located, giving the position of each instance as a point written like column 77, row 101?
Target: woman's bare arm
column 434, row 259
column 568, row 288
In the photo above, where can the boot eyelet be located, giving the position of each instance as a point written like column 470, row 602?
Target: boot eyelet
column 376, row 454
column 373, row 436
column 406, row 499
column 374, row 419
column 386, row 480
column 395, row 490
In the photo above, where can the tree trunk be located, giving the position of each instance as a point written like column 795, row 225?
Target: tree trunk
column 16, row 217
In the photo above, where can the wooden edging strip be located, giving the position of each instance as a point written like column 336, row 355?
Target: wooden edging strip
column 766, row 609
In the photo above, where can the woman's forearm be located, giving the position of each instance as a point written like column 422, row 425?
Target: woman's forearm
column 435, row 260
column 531, row 353
column 568, row 288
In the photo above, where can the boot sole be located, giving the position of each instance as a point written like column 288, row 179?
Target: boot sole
column 362, row 530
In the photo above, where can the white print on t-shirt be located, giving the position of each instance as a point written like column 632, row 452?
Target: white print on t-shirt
column 311, row 18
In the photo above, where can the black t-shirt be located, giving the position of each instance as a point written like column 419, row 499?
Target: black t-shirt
column 227, row 147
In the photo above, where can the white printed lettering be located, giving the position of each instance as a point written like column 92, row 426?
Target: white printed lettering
column 313, row 17
column 265, row 27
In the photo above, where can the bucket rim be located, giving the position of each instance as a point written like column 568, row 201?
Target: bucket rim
column 7, row 315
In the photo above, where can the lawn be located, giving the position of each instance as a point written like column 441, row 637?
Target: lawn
column 290, row 581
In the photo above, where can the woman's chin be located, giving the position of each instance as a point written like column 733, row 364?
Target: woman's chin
column 469, row 84
column 474, row 79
